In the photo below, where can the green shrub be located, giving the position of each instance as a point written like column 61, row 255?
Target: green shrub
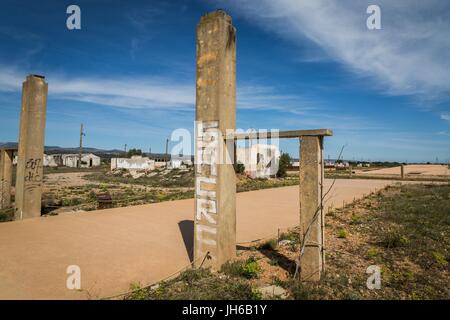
column 251, row 268
column 283, row 164
column 439, row 259
column 269, row 245
column 394, row 239
column 342, row 233
column 233, row 268
column 239, row 168
column 293, row 236
column 248, row 269
column 372, row 253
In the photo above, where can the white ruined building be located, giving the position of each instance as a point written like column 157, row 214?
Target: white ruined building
column 260, row 160
column 133, row 163
column 180, row 162
column 52, row 160
column 88, row 160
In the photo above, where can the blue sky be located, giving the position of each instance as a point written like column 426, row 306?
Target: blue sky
column 129, row 73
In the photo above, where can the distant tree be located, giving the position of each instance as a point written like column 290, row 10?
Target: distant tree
column 284, row 163
column 134, row 152
column 239, row 168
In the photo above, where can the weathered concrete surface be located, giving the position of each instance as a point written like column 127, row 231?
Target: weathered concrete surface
column 215, row 209
column 147, row 243
column 31, row 148
column 310, row 206
column 6, row 159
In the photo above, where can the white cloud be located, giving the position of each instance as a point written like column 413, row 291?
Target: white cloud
column 408, row 56
column 125, row 92
column 445, row 116
column 153, row 93
column 258, row 97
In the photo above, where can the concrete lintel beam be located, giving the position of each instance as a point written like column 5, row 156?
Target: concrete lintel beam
column 281, row 134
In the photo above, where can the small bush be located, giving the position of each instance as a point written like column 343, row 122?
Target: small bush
column 283, row 164
column 251, row 269
column 4, row 217
column 248, row 269
column 355, row 219
column 342, row 233
column 232, row 268
column 372, row 253
column 439, row 259
column 239, row 168
column 293, row 236
column 394, row 240
column 269, row 245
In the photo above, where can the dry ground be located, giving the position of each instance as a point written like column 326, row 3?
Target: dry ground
column 404, row 230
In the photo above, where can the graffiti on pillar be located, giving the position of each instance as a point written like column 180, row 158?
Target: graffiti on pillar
column 207, row 155
column 33, row 170
column 3, row 193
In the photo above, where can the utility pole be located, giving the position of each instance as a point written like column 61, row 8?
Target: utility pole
column 167, row 152
column 81, row 146
column 125, row 148
column 167, row 146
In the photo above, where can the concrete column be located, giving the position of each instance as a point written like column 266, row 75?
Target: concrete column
column 311, row 178
column 6, row 159
column 402, row 171
column 31, row 148
column 215, row 192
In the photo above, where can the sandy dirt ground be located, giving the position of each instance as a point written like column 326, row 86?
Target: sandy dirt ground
column 66, row 179
column 116, row 247
column 412, row 170
column 55, row 181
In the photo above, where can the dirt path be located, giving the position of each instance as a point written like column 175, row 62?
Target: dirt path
column 116, row 247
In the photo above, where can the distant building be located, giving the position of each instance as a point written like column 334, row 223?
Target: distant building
column 260, row 160
column 360, row 165
column 329, row 164
column 295, row 164
column 161, row 159
column 88, row 160
column 133, row 163
column 53, row 160
column 342, row 165
column 180, row 162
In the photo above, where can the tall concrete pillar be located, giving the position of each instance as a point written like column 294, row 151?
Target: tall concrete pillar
column 6, row 159
column 215, row 192
column 311, row 212
column 31, row 148
column 402, row 171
